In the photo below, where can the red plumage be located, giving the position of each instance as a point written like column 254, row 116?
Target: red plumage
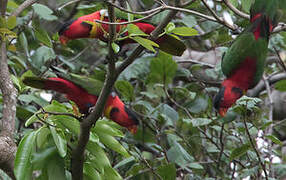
column 114, row 108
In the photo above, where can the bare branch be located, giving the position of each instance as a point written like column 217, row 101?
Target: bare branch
column 7, row 125
column 86, row 124
column 130, row 22
column 280, row 61
column 236, row 11
column 218, row 19
column 23, row 6
column 261, row 86
column 255, row 149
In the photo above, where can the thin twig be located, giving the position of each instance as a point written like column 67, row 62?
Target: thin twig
column 280, row 61
column 133, row 12
column 67, row 4
column 235, row 10
column 218, row 19
column 221, row 144
column 23, row 6
column 43, row 121
column 196, row 62
column 254, row 148
column 43, row 111
column 130, row 22
column 269, row 130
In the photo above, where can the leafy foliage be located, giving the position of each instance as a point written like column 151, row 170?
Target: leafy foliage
column 179, row 136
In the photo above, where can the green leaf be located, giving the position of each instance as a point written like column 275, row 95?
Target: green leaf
column 56, row 167
column 43, row 37
column 102, row 126
column 126, row 89
column 196, row 166
column 112, row 143
column 234, row 3
column 274, row 139
column 162, row 69
column 184, row 31
column 100, row 159
column 41, row 158
column 44, row 12
column 167, row 172
column 246, row 5
column 201, row 122
column 60, row 140
column 281, row 85
column 23, row 166
column 42, row 55
column 24, row 42
column 42, row 136
column 134, row 30
column 90, row 173
column 237, row 152
column 148, row 44
column 111, row 174
column 115, row 47
column 11, row 22
column 179, row 155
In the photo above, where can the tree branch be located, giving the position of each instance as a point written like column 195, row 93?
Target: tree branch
column 22, row 7
column 254, row 148
column 9, row 93
column 236, row 11
column 261, row 86
column 112, row 74
column 87, row 123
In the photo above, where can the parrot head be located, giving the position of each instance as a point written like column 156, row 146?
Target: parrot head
column 82, row 27
column 227, row 96
column 119, row 113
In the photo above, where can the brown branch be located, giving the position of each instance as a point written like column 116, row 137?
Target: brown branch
column 7, row 125
column 218, row 19
column 261, row 86
column 87, row 123
column 235, row 10
column 130, row 22
column 280, row 61
column 78, row 152
column 22, row 7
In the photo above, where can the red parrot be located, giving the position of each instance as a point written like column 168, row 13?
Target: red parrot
column 243, row 63
column 86, row 98
column 86, row 27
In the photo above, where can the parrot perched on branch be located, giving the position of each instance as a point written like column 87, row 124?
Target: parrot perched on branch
column 86, row 27
column 84, row 92
column 243, row 63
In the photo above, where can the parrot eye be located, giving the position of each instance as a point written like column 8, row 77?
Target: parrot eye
column 113, row 110
column 237, row 91
column 89, row 105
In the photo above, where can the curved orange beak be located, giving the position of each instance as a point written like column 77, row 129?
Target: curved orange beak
column 64, row 40
column 222, row 111
column 132, row 129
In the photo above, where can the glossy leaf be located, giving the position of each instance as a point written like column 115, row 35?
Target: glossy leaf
column 11, row 22
column 44, row 12
column 60, row 140
column 113, row 144
column 43, row 37
column 148, row 44
column 162, row 69
column 167, row 172
column 23, row 166
column 125, row 89
column 237, row 152
column 184, row 31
